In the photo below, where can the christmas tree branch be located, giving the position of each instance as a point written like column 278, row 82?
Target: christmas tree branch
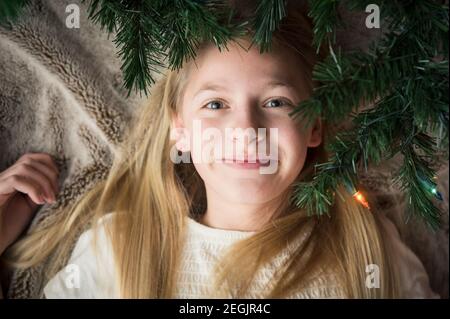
column 326, row 20
column 417, row 180
column 404, row 78
column 268, row 15
column 10, row 9
column 148, row 33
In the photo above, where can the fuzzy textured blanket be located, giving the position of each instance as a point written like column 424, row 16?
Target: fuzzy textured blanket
column 60, row 93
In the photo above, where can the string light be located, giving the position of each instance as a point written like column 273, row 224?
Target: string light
column 431, row 186
column 360, row 198
column 437, row 194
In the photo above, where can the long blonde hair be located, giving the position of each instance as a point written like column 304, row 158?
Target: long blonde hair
column 151, row 198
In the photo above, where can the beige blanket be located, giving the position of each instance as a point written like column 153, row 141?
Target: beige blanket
column 60, row 93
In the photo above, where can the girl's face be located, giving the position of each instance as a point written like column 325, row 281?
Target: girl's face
column 237, row 89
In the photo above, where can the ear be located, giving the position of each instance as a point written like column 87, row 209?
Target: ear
column 316, row 134
column 179, row 134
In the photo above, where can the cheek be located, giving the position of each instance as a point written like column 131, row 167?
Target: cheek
column 204, row 135
column 293, row 147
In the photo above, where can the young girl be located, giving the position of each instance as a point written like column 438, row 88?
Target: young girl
column 216, row 226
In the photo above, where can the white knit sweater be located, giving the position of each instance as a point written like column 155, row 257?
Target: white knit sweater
column 90, row 272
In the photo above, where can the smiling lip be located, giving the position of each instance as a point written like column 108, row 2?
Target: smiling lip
column 245, row 164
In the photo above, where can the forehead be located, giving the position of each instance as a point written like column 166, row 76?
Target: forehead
column 243, row 65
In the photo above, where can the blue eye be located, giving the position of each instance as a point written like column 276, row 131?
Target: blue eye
column 214, row 105
column 276, row 103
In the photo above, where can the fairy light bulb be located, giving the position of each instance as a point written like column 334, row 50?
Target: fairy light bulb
column 360, row 198
column 436, row 193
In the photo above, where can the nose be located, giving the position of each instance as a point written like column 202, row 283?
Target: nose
column 245, row 124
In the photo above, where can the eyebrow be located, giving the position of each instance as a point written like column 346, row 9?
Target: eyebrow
column 219, row 87
column 279, row 83
column 209, row 87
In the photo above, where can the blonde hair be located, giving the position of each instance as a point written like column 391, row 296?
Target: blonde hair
column 152, row 196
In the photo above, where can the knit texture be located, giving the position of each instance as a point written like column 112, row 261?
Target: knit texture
column 203, row 247
column 93, row 263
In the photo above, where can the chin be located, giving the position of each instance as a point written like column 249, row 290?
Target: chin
column 247, row 191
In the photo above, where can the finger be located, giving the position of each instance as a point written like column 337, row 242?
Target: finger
column 41, row 157
column 38, row 177
column 44, row 158
column 42, row 179
column 48, row 171
column 45, row 164
column 24, row 185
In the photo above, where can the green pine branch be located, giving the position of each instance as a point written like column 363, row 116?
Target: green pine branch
column 404, row 79
column 326, row 19
column 151, row 34
column 190, row 23
column 416, row 178
column 268, row 15
column 349, row 80
column 10, row 9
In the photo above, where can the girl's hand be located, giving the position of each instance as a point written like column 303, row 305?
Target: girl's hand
column 30, row 182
